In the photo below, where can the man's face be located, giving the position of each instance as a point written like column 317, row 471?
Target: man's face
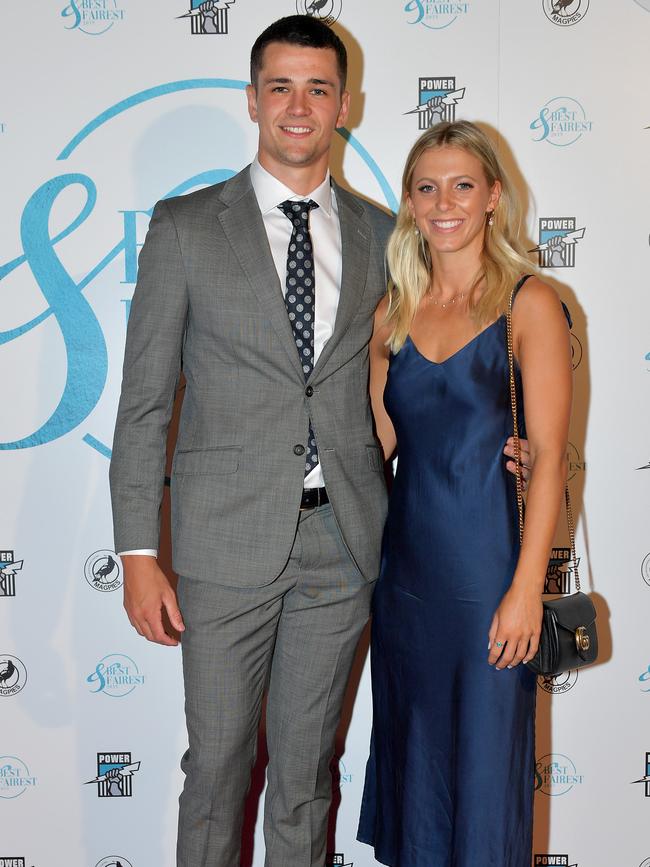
column 297, row 104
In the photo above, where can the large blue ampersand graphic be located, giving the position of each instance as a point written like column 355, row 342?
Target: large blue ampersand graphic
column 85, row 346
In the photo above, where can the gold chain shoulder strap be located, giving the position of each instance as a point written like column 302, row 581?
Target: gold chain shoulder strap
column 515, row 435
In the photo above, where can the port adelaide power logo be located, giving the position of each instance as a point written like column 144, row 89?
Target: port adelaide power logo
column 553, row 861
column 9, row 566
column 559, row 571
column 645, row 779
column 208, row 17
column 337, row 859
column 12, row 862
column 114, row 775
column 558, row 238
column 437, row 101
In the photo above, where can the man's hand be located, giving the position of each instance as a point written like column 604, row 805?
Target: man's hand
column 147, row 592
column 524, row 455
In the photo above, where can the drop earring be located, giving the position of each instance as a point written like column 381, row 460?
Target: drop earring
column 490, row 221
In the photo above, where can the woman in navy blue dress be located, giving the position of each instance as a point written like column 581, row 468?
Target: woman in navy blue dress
column 457, row 608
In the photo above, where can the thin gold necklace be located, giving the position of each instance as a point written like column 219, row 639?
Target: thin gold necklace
column 457, row 297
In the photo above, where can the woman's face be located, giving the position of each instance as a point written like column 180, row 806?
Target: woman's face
column 449, row 199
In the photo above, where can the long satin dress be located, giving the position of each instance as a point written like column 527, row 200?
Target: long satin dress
column 450, row 779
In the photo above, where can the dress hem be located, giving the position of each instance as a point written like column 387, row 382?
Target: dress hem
column 372, row 845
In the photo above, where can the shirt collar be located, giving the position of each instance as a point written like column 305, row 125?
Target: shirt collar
column 269, row 191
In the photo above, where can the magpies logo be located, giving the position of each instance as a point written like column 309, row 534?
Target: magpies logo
column 565, row 12
column 103, row 571
column 327, row 10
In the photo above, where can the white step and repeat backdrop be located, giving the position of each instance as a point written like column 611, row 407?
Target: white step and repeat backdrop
column 107, row 106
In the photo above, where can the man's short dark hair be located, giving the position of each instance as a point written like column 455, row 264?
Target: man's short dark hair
column 299, row 30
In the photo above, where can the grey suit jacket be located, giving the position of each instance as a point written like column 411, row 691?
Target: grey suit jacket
column 208, row 300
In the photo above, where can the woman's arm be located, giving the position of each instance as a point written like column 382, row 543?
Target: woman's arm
column 379, row 356
column 541, row 342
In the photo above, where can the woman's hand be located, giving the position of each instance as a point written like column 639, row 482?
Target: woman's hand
column 525, row 459
column 516, row 627
column 379, row 357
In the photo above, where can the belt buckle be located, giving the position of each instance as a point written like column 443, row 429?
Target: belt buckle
column 315, row 501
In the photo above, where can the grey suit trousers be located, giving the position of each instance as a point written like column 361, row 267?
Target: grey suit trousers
column 297, row 636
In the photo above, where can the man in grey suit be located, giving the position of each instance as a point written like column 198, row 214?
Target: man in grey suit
column 261, row 290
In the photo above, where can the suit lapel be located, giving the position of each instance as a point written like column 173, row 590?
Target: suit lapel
column 355, row 252
column 243, row 226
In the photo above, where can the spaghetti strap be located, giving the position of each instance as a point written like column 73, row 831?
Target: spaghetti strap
column 520, row 284
column 564, row 307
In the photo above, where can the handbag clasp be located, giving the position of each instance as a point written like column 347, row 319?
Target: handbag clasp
column 583, row 642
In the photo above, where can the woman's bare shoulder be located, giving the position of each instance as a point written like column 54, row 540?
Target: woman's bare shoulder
column 536, row 299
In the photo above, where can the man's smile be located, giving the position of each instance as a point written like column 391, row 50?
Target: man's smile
column 297, row 130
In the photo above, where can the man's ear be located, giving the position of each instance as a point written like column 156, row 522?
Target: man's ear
column 251, row 98
column 344, row 110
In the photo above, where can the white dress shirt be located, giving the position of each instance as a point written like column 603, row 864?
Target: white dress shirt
column 325, row 230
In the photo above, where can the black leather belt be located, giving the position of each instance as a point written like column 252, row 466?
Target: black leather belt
column 312, row 497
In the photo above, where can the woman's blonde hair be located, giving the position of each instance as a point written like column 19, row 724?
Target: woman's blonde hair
column 503, row 258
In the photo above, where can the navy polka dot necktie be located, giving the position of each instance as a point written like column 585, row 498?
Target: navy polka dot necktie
column 299, row 297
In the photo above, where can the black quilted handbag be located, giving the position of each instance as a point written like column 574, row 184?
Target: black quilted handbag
column 568, row 639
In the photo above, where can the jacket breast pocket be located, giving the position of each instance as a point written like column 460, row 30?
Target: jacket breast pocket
column 207, row 462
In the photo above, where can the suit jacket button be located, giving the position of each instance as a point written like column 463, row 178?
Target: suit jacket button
column 309, row 391
column 298, row 450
